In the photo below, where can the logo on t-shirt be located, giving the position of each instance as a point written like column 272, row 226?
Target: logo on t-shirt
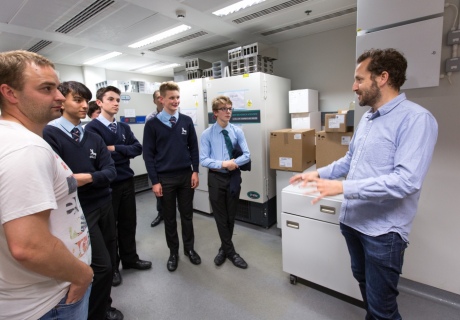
column 92, row 154
column 184, row 132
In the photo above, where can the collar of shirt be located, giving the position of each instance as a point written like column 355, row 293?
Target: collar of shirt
column 104, row 121
column 386, row 108
column 66, row 126
column 164, row 117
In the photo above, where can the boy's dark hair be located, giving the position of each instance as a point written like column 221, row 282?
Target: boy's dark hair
column 75, row 87
column 101, row 91
column 92, row 106
column 389, row 60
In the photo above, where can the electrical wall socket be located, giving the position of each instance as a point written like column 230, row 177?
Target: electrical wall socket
column 453, row 37
column 453, row 65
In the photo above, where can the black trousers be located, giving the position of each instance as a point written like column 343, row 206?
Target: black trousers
column 160, row 213
column 101, row 225
column 178, row 188
column 224, row 208
column 124, row 209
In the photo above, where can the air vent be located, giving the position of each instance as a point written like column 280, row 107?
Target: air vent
column 39, row 45
column 84, row 15
column 270, row 10
column 315, row 20
column 220, row 46
column 183, row 39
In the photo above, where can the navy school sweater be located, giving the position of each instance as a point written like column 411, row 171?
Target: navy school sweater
column 126, row 146
column 90, row 155
column 170, row 151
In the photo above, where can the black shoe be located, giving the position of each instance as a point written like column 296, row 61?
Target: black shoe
column 238, row 261
column 139, row 265
column 172, row 262
column 113, row 314
column 117, row 279
column 220, row 258
column 157, row 221
column 194, row 257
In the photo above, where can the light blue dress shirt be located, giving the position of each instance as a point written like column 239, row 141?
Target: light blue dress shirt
column 164, row 117
column 386, row 164
column 104, row 121
column 213, row 150
column 66, row 126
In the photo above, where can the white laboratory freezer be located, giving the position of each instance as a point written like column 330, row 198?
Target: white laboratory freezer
column 313, row 246
column 193, row 104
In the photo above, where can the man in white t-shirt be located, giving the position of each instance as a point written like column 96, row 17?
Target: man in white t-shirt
column 45, row 249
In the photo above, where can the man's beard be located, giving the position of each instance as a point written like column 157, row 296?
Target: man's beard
column 371, row 96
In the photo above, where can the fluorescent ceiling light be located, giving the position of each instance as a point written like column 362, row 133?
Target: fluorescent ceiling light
column 157, row 67
column 160, row 36
column 236, row 7
column 102, row 58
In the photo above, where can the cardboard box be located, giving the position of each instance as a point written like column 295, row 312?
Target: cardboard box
column 304, row 100
column 292, row 150
column 331, row 146
column 337, row 122
column 307, row 120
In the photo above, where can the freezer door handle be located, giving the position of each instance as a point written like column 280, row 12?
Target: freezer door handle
column 327, row 209
column 292, row 224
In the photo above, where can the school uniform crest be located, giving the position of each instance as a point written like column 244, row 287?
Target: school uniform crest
column 184, row 132
column 92, row 154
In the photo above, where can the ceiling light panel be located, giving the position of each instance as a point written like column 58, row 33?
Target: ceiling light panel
column 103, row 58
column 236, row 7
column 160, row 36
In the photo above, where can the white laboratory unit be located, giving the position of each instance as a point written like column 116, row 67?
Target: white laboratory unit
column 413, row 29
column 260, row 103
column 193, row 104
column 133, row 109
column 313, row 246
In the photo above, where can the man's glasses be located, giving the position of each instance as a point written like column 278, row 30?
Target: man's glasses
column 225, row 109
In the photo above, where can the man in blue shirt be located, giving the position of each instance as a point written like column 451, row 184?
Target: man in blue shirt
column 216, row 153
column 385, row 166
column 171, row 158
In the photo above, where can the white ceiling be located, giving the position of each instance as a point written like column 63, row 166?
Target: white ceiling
column 24, row 23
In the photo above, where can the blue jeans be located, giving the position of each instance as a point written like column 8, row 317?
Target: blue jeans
column 376, row 262
column 74, row 311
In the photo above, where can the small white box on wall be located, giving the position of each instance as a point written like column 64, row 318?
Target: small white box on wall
column 304, row 100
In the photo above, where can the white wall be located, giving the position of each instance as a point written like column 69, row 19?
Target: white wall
column 326, row 62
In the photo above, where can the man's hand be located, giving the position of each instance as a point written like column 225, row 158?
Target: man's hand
column 195, row 180
column 83, row 178
column 157, row 190
column 111, row 148
column 327, row 188
column 304, row 178
column 230, row 165
column 77, row 290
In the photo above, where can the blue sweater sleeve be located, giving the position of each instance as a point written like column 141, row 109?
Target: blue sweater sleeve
column 131, row 148
column 149, row 151
column 193, row 148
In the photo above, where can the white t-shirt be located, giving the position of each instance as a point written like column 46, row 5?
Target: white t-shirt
column 33, row 178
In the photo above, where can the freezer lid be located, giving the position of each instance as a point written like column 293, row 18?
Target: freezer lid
column 295, row 201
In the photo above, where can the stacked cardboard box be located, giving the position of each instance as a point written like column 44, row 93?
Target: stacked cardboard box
column 292, row 150
column 331, row 146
